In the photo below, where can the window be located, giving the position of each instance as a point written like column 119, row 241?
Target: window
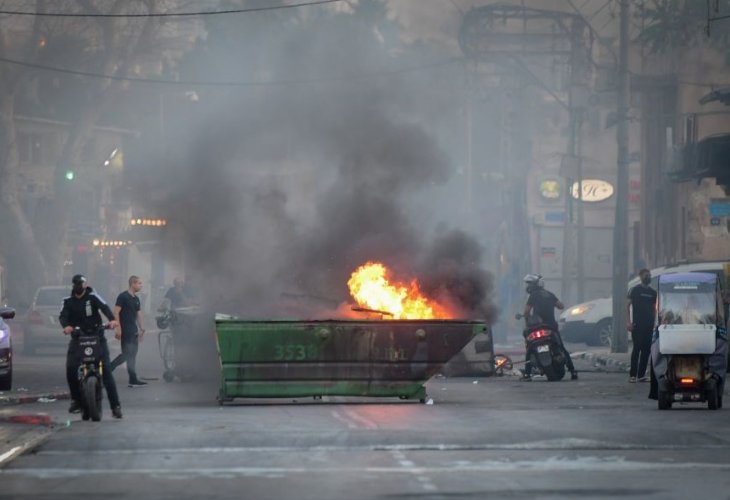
column 30, row 148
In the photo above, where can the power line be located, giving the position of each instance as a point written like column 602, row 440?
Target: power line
column 168, row 14
column 456, row 6
column 203, row 83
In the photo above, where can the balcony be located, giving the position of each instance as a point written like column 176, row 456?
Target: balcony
column 709, row 157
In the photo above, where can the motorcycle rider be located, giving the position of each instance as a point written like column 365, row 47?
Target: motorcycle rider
column 540, row 307
column 81, row 309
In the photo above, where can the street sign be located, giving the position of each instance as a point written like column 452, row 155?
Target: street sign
column 719, row 207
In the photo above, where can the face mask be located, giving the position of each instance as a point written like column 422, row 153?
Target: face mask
column 78, row 289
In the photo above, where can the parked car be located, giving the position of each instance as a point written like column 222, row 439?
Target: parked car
column 6, row 350
column 592, row 322
column 42, row 328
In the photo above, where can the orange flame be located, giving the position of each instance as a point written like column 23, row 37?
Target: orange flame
column 370, row 286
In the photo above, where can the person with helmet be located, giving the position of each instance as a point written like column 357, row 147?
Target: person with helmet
column 81, row 309
column 540, row 307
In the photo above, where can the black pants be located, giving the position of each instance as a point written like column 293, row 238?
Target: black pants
column 641, row 338
column 72, row 373
column 130, row 346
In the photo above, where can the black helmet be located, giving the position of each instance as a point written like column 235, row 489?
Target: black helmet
column 78, row 279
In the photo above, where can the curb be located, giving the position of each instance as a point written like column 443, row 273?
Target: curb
column 17, row 399
column 27, row 442
column 603, row 361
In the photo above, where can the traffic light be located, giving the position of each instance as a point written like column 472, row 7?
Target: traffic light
column 69, row 175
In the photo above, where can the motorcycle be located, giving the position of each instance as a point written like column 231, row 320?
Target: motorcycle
column 543, row 350
column 689, row 349
column 89, row 350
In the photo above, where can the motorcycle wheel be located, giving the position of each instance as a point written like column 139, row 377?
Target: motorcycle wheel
column 93, row 405
column 554, row 372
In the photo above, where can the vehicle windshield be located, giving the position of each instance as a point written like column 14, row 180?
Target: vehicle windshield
column 687, row 304
column 51, row 296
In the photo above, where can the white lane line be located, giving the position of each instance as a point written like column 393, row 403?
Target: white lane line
column 554, row 464
column 350, row 424
column 367, row 423
column 570, row 444
column 409, row 466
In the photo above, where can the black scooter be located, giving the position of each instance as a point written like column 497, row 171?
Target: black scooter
column 89, row 350
column 544, row 351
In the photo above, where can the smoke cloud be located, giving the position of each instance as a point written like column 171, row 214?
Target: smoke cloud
column 281, row 193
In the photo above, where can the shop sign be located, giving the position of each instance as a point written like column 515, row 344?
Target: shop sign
column 550, row 190
column 594, row 190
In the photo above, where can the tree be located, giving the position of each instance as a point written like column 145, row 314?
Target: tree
column 121, row 46
column 677, row 24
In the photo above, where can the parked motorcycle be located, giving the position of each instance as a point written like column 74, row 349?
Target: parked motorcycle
column 90, row 371
column 543, row 350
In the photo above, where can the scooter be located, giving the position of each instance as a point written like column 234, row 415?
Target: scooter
column 544, row 351
column 90, row 371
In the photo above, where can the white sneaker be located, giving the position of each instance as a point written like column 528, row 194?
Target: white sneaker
column 632, row 380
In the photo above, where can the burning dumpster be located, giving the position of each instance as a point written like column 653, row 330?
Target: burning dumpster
column 383, row 358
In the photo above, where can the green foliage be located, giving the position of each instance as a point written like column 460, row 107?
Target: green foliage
column 673, row 24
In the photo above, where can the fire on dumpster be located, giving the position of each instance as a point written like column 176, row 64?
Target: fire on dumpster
column 374, row 288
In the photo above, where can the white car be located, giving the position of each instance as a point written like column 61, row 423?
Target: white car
column 592, row 322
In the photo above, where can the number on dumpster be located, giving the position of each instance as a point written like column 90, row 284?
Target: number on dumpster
column 291, row 352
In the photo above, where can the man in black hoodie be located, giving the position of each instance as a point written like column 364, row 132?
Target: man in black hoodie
column 81, row 309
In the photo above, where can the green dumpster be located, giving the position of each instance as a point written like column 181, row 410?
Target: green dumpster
column 389, row 358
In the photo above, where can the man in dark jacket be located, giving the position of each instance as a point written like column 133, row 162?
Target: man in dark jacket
column 81, row 309
column 541, row 304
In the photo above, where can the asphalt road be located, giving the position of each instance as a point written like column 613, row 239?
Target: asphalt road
column 598, row 437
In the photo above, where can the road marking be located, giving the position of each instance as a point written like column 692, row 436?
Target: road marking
column 552, row 464
column 367, row 423
column 570, row 444
column 350, row 424
column 423, row 479
column 353, row 420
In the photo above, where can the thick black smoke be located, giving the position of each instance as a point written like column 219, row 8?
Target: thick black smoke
column 282, row 193
column 451, row 272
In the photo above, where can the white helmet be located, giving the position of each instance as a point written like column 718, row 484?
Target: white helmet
column 534, row 280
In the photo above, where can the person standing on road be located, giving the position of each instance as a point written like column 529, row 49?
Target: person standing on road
column 177, row 295
column 81, row 309
column 127, row 311
column 640, row 310
column 542, row 303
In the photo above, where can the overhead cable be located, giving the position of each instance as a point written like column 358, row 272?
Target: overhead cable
column 167, row 14
column 204, row 83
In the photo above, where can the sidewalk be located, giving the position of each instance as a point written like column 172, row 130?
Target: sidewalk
column 604, row 358
column 601, row 358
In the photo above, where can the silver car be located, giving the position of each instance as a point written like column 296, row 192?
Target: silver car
column 6, row 349
column 42, row 328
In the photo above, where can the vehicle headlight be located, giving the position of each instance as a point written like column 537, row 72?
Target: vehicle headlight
column 581, row 309
column 4, row 334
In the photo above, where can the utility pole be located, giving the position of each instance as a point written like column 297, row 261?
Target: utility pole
column 619, row 341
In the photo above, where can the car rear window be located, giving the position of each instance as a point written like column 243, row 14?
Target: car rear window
column 51, row 297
